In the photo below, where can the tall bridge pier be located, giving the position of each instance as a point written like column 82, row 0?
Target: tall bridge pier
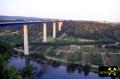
column 54, row 29
column 60, row 26
column 26, row 45
column 44, row 32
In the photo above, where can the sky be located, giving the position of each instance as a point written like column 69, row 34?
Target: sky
column 96, row 10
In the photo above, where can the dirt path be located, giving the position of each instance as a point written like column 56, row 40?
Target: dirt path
column 85, row 58
column 19, row 50
column 106, row 60
column 67, row 55
column 115, row 59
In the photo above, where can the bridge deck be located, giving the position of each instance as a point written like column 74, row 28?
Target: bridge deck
column 22, row 23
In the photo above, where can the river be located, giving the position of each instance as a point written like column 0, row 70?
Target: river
column 50, row 72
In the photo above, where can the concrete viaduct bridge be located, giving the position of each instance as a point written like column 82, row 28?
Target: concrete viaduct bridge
column 25, row 30
column 25, row 26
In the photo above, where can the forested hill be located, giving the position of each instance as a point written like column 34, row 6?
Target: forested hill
column 92, row 29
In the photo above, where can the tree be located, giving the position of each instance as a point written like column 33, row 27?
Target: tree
column 5, row 54
column 27, row 72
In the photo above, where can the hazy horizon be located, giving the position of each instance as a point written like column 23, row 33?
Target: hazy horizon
column 95, row 10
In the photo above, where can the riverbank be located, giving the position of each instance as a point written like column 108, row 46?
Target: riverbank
column 46, row 71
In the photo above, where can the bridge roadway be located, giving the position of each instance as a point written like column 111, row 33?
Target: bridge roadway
column 25, row 23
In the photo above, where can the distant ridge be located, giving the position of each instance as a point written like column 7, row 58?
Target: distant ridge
column 20, row 18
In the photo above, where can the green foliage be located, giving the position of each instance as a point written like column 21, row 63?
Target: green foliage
column 5, row 54
column 27, row 72
column 37, row 55
column 51, row 53
column 75, row 57
column 61, row 55
column 51, row 39
column 86, row 67
column 12, row 38
column 11, row 73
column 64, row 36
column 96, row 59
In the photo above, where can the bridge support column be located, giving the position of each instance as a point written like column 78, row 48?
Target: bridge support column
column 60, row 25
column 54, row 29
column 44, row 32
column 26, row 46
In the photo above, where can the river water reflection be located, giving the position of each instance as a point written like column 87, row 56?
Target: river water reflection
column 51, row 72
